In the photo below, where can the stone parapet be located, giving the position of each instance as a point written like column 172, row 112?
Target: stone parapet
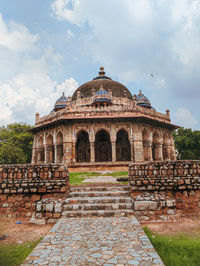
column 161, row 176
column 80, row 112
column 167, row 169
column 163, row 191
column 20, row 179
column 21, row 186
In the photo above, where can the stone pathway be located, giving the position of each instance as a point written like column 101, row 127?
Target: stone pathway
column 95, row 241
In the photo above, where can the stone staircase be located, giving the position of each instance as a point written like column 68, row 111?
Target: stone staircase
column 98, row 201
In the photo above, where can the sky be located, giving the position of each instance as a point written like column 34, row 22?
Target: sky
column 52, row 46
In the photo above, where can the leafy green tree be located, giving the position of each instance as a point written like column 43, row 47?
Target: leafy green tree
column 187, row 142
column 15, row 144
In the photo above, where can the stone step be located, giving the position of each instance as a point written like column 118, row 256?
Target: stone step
column 97, row 206
column 98, row 194
column 113, row 188
column 104, row 213
column 92, row 200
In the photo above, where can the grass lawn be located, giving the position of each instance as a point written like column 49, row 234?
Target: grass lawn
column 77, row 178
column 176, row 250
column 14, row 255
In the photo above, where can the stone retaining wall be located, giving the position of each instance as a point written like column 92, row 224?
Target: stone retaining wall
column 23, row 185
column 173, row 181
column 162, row 176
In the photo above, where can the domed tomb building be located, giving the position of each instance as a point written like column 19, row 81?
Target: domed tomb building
column 103, row 124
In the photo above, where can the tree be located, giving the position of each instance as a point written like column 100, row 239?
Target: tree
column 187, row 143
column 15, row 144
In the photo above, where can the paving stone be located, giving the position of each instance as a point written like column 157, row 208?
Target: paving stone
column 95, row 241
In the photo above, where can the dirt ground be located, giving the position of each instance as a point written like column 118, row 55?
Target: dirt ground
column 21, row 233
column 188, row 224
column 24, row 232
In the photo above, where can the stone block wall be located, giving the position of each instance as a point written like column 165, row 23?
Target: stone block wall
column 173, row 181
column 162, row 176
column 23, row 185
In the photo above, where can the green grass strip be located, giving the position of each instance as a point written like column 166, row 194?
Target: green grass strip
column 176, row 250
column 76, row 178
column 14, row 255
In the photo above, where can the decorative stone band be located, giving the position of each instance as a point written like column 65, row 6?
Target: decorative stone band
column 28, row 178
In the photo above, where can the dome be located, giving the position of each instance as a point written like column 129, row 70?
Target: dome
column 115, row 88
column 61, row 102
column 143, row 100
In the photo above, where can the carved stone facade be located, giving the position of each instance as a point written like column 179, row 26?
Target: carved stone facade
column 103, row 122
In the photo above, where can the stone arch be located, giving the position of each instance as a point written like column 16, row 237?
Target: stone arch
column 59, row 146
column 81, row 130
column 40, row 157
column 103, row 151
column 50, row 149
column 123, row 148
column 146, row 144
column 82, row 147
column 156, row 146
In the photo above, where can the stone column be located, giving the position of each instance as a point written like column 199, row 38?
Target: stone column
column 150, row 152
column 55, row 153
column 113, row 143
column 168, row 152
column 158, row 152
column 132, row 151
column 34, row 151
column 138, row 143
column 92, row 152
column 173, row 151
column 45, row 154
column 73, row 152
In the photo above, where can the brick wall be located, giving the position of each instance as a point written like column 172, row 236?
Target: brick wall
column 23, row 185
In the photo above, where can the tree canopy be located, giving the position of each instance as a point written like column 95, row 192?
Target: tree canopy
column 187, row 142
column 15, row 144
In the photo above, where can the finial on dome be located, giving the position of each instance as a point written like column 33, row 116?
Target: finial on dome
column 101, row 72
column 63, row 94
column 140, row 92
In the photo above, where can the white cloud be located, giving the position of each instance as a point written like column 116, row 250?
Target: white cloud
column 184, row 118
column 26, row 94
column 68, row 86
column 16, row 37
column 159, row 37
column 133, row 39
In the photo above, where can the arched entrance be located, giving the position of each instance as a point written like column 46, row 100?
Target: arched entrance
column 103, row 151
column 123, row 146
column 83, row 147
